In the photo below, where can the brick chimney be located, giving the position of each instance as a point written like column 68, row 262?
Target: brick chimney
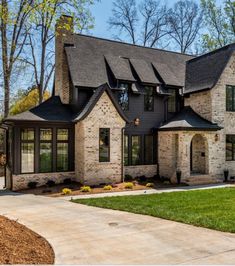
column 63, row 35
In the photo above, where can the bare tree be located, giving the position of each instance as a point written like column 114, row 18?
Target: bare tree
column 145, row 24
column 13, row 16
column 184, row 22
column 41, row 39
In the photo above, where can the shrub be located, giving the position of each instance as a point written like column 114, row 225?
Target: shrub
column 66, row 191
column 129, row 185
column 107, row 187
column 50, row 183
column 149, row 185
column 142, row 178
column 32, row 184
column 128, row 178
column 85, row 189
column 67, row 181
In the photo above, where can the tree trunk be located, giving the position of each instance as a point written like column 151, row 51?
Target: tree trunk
column 6, row 96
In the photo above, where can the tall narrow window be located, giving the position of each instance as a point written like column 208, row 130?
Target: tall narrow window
column 104, row 145
column 45, row 159
column 126, row 160
column 27, row 150
column 171, row 104
column 62, row 163
column 135, row 150
column 149, row 99
column 230, row 98
column 123, row 96
column 148, row 149
column 230, row 147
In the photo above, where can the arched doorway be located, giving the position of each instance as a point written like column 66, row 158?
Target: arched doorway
column 199, row 155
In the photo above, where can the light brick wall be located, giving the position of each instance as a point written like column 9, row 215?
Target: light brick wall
column 88, row 168
column 21, row 181
column 140, row 170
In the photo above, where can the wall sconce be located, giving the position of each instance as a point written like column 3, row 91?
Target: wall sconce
column 216, row 137
column 137, row 122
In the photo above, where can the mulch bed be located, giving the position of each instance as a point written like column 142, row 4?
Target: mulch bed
column 20, row 245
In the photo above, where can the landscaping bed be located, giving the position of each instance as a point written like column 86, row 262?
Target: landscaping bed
column 20, row 245
column 75, row 188
column 212, row 208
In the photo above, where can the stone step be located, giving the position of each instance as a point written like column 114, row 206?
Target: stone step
column 201, row 180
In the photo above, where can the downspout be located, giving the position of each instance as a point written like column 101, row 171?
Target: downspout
column 122, row 158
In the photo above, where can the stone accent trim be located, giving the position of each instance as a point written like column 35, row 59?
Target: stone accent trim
column 21, row 181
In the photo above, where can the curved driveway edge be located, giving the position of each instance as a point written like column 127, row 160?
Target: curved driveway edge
column 87, row 235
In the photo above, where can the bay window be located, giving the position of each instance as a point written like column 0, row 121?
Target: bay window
column 45, row 160
column 62, row 150
column 27, row 150
column 135, row 150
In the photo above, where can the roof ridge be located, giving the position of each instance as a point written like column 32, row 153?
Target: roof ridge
column 135, row 45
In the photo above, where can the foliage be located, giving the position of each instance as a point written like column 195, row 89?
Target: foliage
column 129, row 185
column 219, row 21
column 66, row 191
column 27, row 100
column 67, row 181
column 50, row 183
column 85, row 189
column 32, row 184
column 107, row 187
column 212, row 208
column 150, row 185
column 128, row 178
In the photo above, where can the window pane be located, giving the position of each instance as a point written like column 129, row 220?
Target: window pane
column 135, row 150
column 104, row 145
column 27, row 134
column 172, row 101
column 45, row 134
column 126, row 150
column 27, row 157
column 148, row 99
column 148, row 149
column 230, row 144
column 62, row 157
column 123, row 96
column 45, row 157
column 62, row 134
column 229, row 98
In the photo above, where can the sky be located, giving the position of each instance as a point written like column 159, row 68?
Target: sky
column 103, row 10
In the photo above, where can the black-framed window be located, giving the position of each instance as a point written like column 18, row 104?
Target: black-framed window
column 230, row 147
column 27, row 150
column 149, row 99
column 126, row 145
column 104, row 145
column 45, row 159
column 123, row 96
column 62, row 149
column 230, row 98
column 171, row 103
column 135, row 150
column 148, row 149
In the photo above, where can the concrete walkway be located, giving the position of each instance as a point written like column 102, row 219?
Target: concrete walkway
column 88, row 235
column 148, row 191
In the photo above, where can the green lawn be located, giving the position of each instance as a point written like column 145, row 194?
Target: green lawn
column 214, row 208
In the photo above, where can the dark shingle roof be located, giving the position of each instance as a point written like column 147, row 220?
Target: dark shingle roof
column 52, row 110
column 204, row 71
column 94, row 99
column 87, row 60
column 187, row 119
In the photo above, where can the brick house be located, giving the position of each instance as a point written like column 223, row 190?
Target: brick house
column 120, row 109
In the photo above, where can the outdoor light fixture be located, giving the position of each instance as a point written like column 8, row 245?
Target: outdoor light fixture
column 136, row 121
column 216, row 137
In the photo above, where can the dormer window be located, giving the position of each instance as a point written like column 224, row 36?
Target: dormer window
column 149, row 99
column 171, row 103
column 123, row 96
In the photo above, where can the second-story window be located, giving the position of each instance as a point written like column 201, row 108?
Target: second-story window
column 171, row 104
column 230, row 98
column 149, row 99
column 123, row 96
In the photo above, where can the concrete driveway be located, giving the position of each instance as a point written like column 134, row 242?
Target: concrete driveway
column 88, row 235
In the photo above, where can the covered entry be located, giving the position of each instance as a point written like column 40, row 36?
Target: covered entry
column 185, row 144
column 199, row 155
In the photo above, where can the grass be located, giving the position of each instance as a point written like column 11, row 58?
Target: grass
column 214, row 208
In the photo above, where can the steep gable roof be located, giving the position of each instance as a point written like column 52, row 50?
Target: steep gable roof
column 204, row 71
column 86, row 60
